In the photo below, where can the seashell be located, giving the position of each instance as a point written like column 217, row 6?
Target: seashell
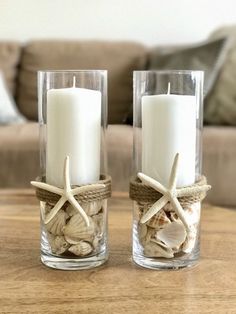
column 48, row 208
column 159, row 220
column 58, row 244
column 45, row 208
column 150, row 233
column 190, row 241
column 92, row 208
column 50, row 238
column 162, row 244
column 95, row 243
column 168, row 207
column 193, row 213
column 142, row 232
column 155, row 249
column 173, row 216
column 99, row 224
column 71, row 211
column 76, row 230
column 143, row 207
column 172, row 235
column 82, row 248
column 56, row 225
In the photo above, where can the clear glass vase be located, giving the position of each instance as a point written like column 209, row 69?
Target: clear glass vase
column 167, row 161
column 73, row 122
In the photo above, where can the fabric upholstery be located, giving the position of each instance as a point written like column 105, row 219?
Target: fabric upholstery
column 19, row 147
column 20, row 157
column 219, row 156
column 119, row 148
column 8, row 110
column 9, row 59
column 119, row 58
column 220, row 106
column 208, row 57
column 219, row 160
column 19, row 153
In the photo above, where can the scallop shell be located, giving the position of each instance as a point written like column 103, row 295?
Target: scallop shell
column 92, row 208
column 172, row 235
column 156, row 249
column 77, row 230
column 71, row 211
column 150, row 234
column 146, row 234
column 58, row 244
column 159, row 220
column 56, row 225
column 82, row 248
column 99, row 224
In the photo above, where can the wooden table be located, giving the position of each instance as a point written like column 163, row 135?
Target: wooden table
column 26, row 286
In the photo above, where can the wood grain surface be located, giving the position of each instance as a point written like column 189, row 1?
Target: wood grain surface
column 26, row 286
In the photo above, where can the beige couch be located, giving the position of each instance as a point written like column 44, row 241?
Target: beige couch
column 19, row 149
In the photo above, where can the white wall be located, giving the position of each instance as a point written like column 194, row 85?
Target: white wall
column 147, row 21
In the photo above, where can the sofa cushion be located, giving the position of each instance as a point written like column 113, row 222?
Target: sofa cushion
column 208, row 56
column 19, row 153
column 8, row 110
column 119, row 58
column 220, row 106
column 219, row 156
column 20, row 157
column 120, row 149
column 9, row 59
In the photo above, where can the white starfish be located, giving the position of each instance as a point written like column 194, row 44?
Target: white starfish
column 170, row 194
column 67, row 193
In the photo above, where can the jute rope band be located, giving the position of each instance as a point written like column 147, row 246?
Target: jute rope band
column 84, row 197
column 142, row 193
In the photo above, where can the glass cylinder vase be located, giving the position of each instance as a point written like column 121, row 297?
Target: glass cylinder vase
column 167, row 187
column 73, row 186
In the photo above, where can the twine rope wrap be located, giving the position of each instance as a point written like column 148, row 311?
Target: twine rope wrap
column 142, row 193
column 83, row 197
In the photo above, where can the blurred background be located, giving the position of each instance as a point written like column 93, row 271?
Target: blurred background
column 120, row 36
column 148, row 21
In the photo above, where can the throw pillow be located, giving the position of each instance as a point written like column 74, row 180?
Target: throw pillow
column 8, row 111
column 208, row 57
column 220, row 105
column 119, row 58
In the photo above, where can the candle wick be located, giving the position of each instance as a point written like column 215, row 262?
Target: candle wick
column 168, row 90
column 74, row 81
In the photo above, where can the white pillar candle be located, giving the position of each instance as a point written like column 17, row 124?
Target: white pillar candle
column 74, row 130
column 169, row 127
